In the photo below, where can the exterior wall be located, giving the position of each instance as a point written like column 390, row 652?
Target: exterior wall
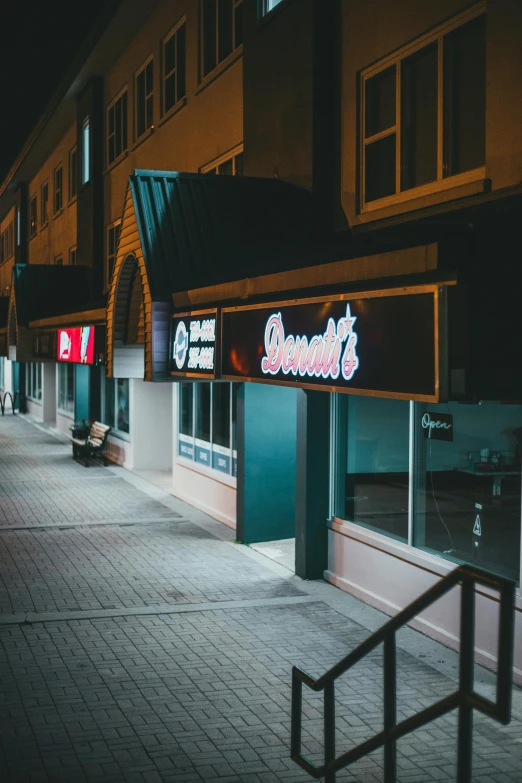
column 375, row 29
column 59, row 234
column 207, row 123
column 151, row 425
column 35, row 409
column 7, row 266
column 63, row 422
column 389, row 575
column 202, row 489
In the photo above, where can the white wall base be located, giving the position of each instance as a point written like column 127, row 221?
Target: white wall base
column 211, row 496
column 389, row 575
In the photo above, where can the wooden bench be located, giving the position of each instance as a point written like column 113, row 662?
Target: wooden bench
column 94, row 445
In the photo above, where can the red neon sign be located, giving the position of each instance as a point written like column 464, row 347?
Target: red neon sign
column 76, row 345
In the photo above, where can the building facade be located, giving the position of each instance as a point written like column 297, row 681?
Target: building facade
column 319, row 342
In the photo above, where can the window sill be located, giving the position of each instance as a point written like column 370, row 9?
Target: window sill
column 72, row 200
column 223, row 66
column 144, row 136
column 459, row 186
column 114, row 433
column 116, row 162
column 173, row 111
column 57, row 214
column 215, row 475
column 32, row 236
column 44, row 225
column 65, row 414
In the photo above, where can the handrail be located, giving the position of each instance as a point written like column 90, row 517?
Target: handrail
column 13, row 401
column 464, row 698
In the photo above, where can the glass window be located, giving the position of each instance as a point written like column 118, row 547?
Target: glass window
column 73, row 173
column 122, row 405
column 33, row 211
column 268, row 5
column 117, row 128
column 58, row 184
column 33, row 381
column 233, row 164
column 374, row 469
column 144, row 98
column 86, row 151
column 44, row 203
column 113, row 237
column 65, row 390
column 174, row 67
column 222, row 31
column 72, row 256
column 206, row 424
column 2, row 371
column 467, row 500
column 442, row 89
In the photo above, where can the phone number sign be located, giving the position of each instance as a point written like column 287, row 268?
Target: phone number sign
column 194, row 344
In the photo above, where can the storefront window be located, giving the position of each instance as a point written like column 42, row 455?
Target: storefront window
column 33, row 381
column 2, row 378
column 374, row 469
column 465, row 461
column 65, row 391
column 467, row 500
column 115, row 403
column 206, row 424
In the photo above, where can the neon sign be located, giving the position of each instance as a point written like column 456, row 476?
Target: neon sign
column 319, row 356
column 76, row 345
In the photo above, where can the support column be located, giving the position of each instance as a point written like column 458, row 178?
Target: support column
column 49, row 392
column 312, row 485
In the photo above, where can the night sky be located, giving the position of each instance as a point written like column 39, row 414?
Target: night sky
column 38, row 42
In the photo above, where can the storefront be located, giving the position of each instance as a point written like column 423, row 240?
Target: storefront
column 422, row 475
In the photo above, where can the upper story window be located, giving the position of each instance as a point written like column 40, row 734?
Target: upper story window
column 222, row 27
column 117, row 127
column 73, row 173
column 267, row 5
column 86, row 151
column 33, row 211
column 44, row 204
column 72, row 256
column 423, row 115
column 3, row 254
column 113, row 237
column 9, row 240
column 58, row 189
column 145, row 98
column 232, row 163
column 174, row 49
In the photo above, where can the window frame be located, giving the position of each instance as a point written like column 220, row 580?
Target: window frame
column 72, row 255
column 214, row 448
column 58, row 190
column 137, row 74
column 213, row 166
column 263, row 10
column 442, row 183
column 173, row 72
column 33, row 219
column 73, row 173
column 33, row 381
column 108, row 228
column 44, row 204
column 104, row 418
column 69, row 412
column 124, row 128
column 204, row 75
column 85, row 164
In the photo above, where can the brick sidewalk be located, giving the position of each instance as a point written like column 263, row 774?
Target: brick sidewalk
column 157, row 651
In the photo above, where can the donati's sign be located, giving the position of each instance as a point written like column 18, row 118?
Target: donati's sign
column 379, row 342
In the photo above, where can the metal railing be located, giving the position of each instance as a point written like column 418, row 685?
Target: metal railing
column 464, row 698
column 13, row 401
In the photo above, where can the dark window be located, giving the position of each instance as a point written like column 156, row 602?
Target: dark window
column 380, row 168
column 44, row 204
column 113, row 237
column 117, row 128
column 221, row 414
column 186, row 418
column 58, row 186
column 33, row 211
column 174, row 68
column 222, row 30
column 465, row 98
column 419, row 118
column 380, row 102
column 73, row 173
column 203, row 411
column 144, row 99
column 72, row 256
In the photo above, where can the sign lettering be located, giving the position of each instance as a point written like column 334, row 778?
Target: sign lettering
column 194, row 344
column 438, row 426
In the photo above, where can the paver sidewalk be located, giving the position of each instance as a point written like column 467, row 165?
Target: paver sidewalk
column 138, row 643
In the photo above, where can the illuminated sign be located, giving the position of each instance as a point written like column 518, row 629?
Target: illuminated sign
column 194, row 344
column 76, row 345
column 381, row 342
column 437, row 426
column 318, row 357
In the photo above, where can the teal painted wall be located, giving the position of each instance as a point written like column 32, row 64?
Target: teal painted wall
column 266, row 430
column 81, row 392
